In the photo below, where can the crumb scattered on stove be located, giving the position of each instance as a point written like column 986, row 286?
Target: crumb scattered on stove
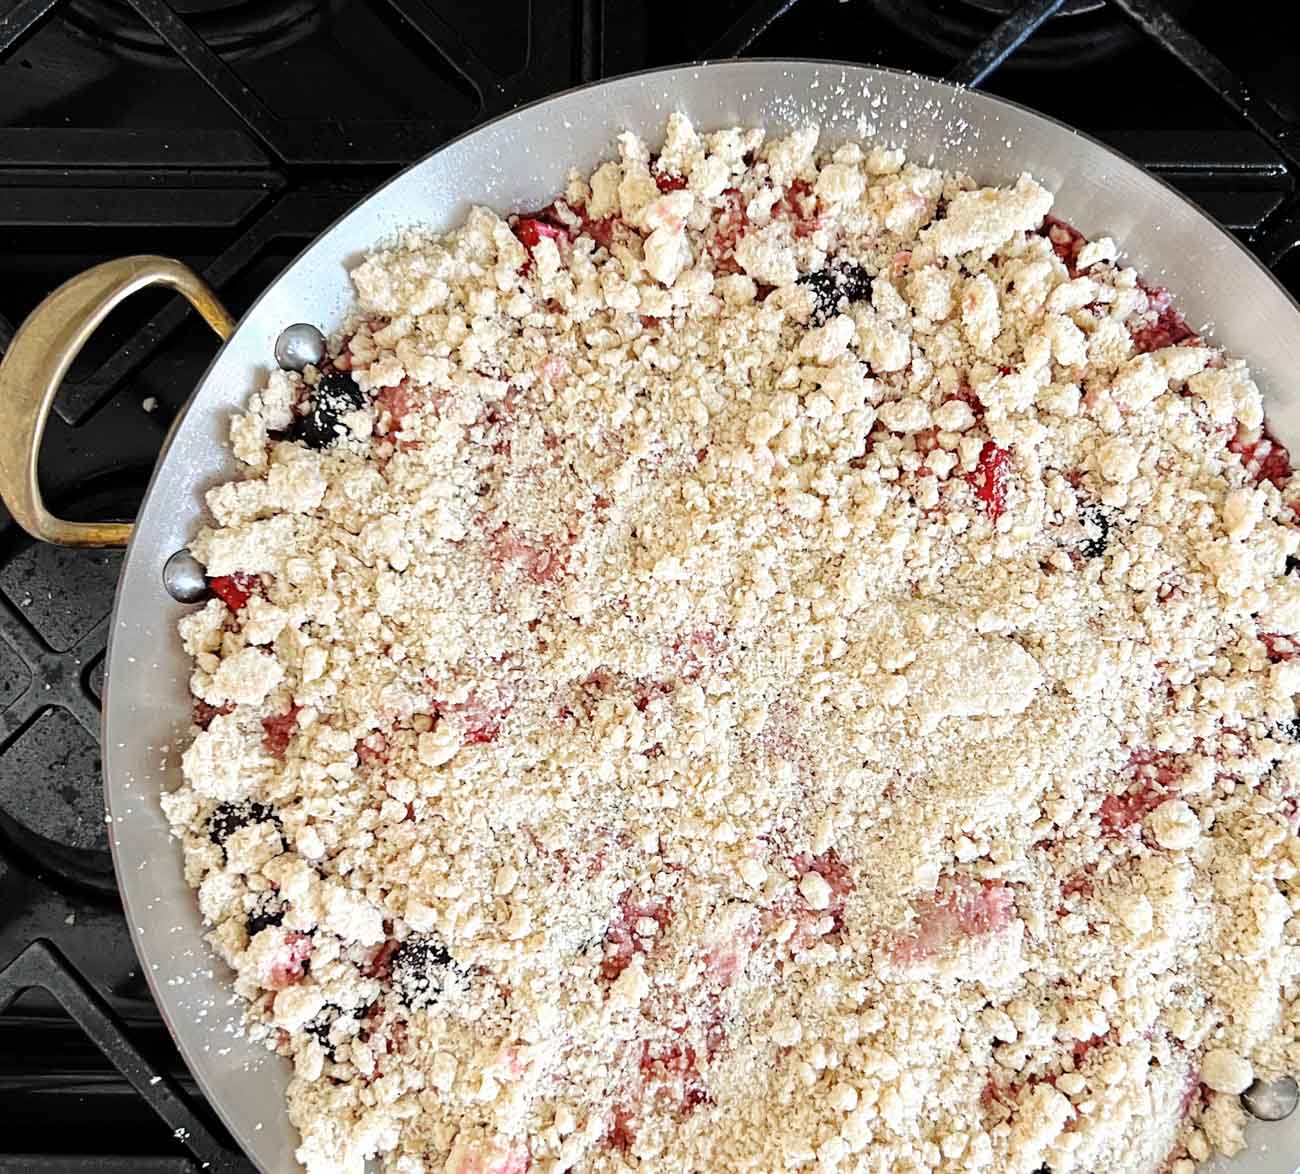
column 683, row 712
column 149, row 403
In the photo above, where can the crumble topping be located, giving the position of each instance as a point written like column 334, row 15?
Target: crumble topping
column 782, row 659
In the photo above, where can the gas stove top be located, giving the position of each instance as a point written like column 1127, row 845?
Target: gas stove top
column 229, row 133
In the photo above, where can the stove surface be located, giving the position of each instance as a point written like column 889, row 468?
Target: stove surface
column 228, row 133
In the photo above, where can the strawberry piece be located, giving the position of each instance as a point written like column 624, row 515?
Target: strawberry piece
column 1279, row 647
column 797, row 196
column 234, row 590
column 542, row 561
column 674, row 1067
column 990, row 478
column 278, row 732
column 967, row 910
column 397, row 401
column 645, row 691
column 291, row 965
column 601, row 231
column 689, row 654
column 204, row 713
column 1153, row 775
column 480, row 717
column 731, row 224
column 832, row 870
column 622, row 1129
column 1081, row 1047
column 395, row 1038
column 487, row 1157
column 1118, row 813
column 621, row 939
column 1162, row 325
column 482, row 721
column 380, row 963
column 372, row 750
column 725, row 961
column 670, row 183
column 1194, row 1095
column 531, row 232
column 1066, row 241
column 1264, row 457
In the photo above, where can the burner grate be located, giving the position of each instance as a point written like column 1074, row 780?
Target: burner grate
column 201, row 154
column 1273, row 229
column 42, row 965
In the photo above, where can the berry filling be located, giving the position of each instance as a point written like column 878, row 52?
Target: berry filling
column 836, row 285
column 228, row 818
column 321, row 426
column 418, row 969
column 278, row 732
column 291, row 964
column 1263, row 457
column 630, row 934
column 966, row 909
column 1161, row 326
column 235, row 590
column 990, row 479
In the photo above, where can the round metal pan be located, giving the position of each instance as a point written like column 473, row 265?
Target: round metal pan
column 521, row 161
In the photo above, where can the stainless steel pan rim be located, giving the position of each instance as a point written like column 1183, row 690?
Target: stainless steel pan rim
column 518, row 160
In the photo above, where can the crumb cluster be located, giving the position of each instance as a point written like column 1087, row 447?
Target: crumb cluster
column 783, row 659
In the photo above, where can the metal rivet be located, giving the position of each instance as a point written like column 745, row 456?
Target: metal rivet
column 299, row 345
column 184, row 578
column 1274, row 1100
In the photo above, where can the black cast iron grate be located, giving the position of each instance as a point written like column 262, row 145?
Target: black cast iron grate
column 230, row 134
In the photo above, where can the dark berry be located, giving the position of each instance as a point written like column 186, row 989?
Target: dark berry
column 264, row 918
column 331, row 399
column 1292, row 564
column 835, row 284
column 1094, row 519
column 417, row 969
column 228, row 818
column 320, row 1027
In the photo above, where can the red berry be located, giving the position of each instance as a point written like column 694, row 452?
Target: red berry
column 1066, row 241
column 670, row 183
column 530, row 231
column 204, row 713
column 278, row 731
column 965, row 909
column 1262, row 456
column 990, row 478
column 1279, row 647
column 234, row 590
column 289, row 965
column 1167, row 327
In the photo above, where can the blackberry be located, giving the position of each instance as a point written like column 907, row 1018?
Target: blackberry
column 228, row 818
column 1292, row 564
column 331, row 399
column 320, row 1027
column 840, row 281
column 417, row 969
column 264, row 918
column 1095, row 517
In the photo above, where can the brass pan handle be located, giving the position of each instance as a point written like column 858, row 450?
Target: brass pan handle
column 39, row 357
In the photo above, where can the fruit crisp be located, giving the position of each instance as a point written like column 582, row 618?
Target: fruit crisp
column 782, row 659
